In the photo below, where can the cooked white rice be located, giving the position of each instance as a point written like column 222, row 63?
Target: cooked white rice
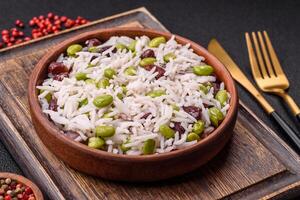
column 179, row 82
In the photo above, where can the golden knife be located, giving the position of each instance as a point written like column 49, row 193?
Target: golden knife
column 217, row 50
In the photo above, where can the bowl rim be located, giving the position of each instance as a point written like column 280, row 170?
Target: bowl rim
column 35, row 189
column 54, row 130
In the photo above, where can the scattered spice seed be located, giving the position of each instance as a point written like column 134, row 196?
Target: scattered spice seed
column 40, row 26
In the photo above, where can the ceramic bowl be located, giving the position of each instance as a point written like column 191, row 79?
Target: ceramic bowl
column 21, row 179
column 123, row 167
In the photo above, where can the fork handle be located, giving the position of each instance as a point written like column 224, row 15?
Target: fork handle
column 290, row 102
column 294, row 136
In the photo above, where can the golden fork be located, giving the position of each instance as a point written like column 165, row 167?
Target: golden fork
column 267, row 71
column 215, row 48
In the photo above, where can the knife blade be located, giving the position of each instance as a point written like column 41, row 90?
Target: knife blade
column 218, row 51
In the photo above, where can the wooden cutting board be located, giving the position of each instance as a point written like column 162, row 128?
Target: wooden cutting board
column 255, row 164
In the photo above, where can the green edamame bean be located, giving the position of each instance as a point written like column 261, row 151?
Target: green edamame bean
column 149, row 147
column 90, row 81
column 215, row 116
column 147, row 61
column 124, row 89
column 155, row 42
column 103, row 101
column 93, row 49
column 130, row 71
column 175, row 107
column 123, row 148
column 48, row 97
column 120, row 96
column 208, row 85
column 83, row 102
column 73, row 49
column 120, row 46
column 81, row 76
column 133, row 54
column 107, row 115
column 156, row 93
column 109, row 73
column 103, row 83
column 192, row 136
column 203, row 88
column 203, row 70
column 198, row 127
column 91, row 65
column 96, row 142
column 222, row 96
column 169, row 56
column 131, row 46
column 105, row 131
column 166, row 131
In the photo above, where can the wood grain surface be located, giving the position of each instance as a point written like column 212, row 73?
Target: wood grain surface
column 255, row 164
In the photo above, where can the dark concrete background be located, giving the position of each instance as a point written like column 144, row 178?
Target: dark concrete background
column 200, row 21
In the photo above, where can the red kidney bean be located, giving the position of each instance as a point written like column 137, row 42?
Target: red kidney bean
column 148, row 53
column 105, row 48
column 158, row 69
column 178, row 128
column 57, row 68
column 61, row 76
column 93, row 57
column 206, row 105
column 71, row 134
column 216, row 87
column 146, row 115
column 53, row 104
column 193, row 111
column 93, row 42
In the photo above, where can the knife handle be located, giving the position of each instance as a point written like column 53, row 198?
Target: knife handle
column 291, row 133
column 298, row 117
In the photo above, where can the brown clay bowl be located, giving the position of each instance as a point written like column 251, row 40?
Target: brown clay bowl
column 21, row 179
column 124, row 167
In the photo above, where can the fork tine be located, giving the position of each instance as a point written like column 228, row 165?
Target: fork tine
column 253, row 62
column 259, row 56
column 265, row 53
column 274, row 59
